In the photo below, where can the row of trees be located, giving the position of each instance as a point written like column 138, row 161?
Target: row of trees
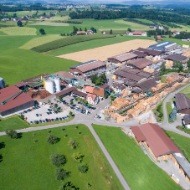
column 183, row 35
column 75, row 29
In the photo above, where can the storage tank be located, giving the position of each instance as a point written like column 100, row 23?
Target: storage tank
column 57, row 84
column 50, row 86
column 2, row 83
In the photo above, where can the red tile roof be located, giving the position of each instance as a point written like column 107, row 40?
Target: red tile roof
column 99, row 92
column 157, row 140
column 138, row 134
column 89, row 89
column 15, row 101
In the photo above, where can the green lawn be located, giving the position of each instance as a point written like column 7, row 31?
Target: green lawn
column 182, row 128
column 182, row 142
column 12, row 123
column 169, row 110
column 26, row 162
column 139, row 171
column 18, row 31
column 17, row 64
column 40, row 40
column 93, row 44
column 186, row 89
column 158, row 111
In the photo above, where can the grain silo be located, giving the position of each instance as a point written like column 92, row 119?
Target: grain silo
column 57, row 84
column 50, row 86
column 2, row 83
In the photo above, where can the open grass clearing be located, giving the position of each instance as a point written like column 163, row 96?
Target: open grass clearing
column 169, row 110
column 40, row 40
column 12, row 123
column 139, row 171
column 21, row 31
column 182, row 142
column 46, row 23
column 22, row 64
column 33, row 152
column 186, row 89
column 102, row 53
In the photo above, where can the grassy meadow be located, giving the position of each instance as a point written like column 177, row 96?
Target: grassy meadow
column 36, row 171
column 139, row 171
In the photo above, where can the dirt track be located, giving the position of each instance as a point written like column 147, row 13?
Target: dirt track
column 102, row 53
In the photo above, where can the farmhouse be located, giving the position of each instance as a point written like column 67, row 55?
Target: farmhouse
column 137, row 33
column 12, row 100
column 182, row 103
column 177, row 57
column 164, row 46
column 89, row 68
column 122, row 58
column 140, row 63
column 155, row 141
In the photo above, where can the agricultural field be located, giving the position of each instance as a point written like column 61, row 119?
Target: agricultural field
column 21, row 31
column 182, row 142
column 40, row 40
column 139, row 171
column 102, row 53
column 17, row 64
column 12, row 123
column 39, row 169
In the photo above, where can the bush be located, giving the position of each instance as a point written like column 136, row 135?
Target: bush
column 12, row 133
column 58, row 159
column 83, row 168
column 62, row 174
column 78, row 156
column 73, row 143
column 53, row 139
column 68, row 186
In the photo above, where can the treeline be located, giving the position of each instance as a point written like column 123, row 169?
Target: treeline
column 158, row 32
column 154, row 15
column 183, row 35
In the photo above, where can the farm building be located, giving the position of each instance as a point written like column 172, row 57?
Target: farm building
column 186, row 121
column 12, row 100
column 182, row 103
column 79, row 94
column 137, row 33
column 150, row 52
column 155, row 141
column 140, row 54
column 81, row 33
column 140, row 63
column 65, row 92
column 122, row 58
column 177, row 57
column 89, row 68
column 164, row 46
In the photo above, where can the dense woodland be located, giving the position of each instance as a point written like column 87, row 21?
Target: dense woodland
column 155, row 15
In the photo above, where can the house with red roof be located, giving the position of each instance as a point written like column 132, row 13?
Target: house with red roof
column 137, row 33
column 92, row 99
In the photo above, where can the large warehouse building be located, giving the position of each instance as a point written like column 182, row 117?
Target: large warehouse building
column 13, row 100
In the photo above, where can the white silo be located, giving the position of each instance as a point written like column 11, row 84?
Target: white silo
column 2, row 83
column 57, row 84
column 49, row 86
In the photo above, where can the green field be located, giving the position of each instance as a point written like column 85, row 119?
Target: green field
column 21, row 31
column 169, row 110
column 93, row 44
column 139, row 171
column 12, row 123
column 17, row 64
column 41, row 40
column 68, row 41
column 186, row 90
column 182, row 142
column 26, row 162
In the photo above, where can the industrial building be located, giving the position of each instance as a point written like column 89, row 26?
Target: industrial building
column 177, row 57
column 155, row 141
column 122, row 58
column 89, row 68
column 164, row 46
column 52, row 85
column 12, row 100
column 140, row 63
column 182, row 103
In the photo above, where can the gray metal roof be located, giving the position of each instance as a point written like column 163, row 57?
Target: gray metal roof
column 182, row 161
column 161, row 46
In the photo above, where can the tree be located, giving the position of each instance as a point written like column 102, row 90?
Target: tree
column 83, row 168
column 12, row 133
column 58, row 159
column 188, row 65
column 71, row 114
column 19, row 23
column 129, row 30
column 42, row 31
column 111, row 32
column 78, row 156
column 68, row 186
column 75, row 29
column 73, row 143
column 62, row 174
column 53, row 139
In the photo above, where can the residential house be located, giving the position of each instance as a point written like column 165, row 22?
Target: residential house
column 92, row 99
